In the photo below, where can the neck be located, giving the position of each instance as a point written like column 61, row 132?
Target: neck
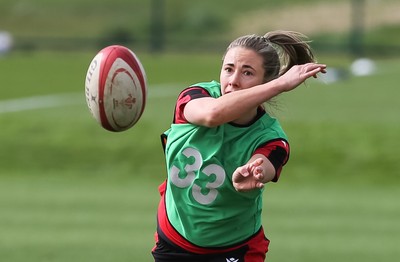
column 246, row 118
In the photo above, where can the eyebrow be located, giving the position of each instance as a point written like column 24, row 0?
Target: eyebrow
column 245, row 66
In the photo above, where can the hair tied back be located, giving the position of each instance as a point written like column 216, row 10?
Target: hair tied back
column 265, row 39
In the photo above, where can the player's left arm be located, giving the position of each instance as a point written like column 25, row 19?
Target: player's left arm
column 264, row 166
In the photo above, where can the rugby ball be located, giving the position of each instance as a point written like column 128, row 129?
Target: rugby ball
column 116, row 88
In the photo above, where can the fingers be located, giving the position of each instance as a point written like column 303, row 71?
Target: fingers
column 241, row 173
column 313, row 69
column 246, row 170
column 259, row 174
column 259, row 177
column 315, row 65
column 257, row 170
column 256, row 163
column 300, row 73
column 249, row 177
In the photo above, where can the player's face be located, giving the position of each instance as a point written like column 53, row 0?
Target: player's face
column 241, row 69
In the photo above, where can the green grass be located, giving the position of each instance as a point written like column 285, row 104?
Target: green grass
column 47, row 218
column 352, row 126
column 347, row 222
column 71, row 191
column 53, row 218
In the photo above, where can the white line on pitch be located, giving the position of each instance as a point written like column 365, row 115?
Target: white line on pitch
column 67, row 99
column 37, row 102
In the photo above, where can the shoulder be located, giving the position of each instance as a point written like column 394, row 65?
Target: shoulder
column 188, row 94
column 212, row 87
column 193, row 92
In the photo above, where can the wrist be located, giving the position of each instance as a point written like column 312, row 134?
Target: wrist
column 278, row 86
column 270, row 89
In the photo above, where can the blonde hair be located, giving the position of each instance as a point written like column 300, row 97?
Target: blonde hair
column 280, row 50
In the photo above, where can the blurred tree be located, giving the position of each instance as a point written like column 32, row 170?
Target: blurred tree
column 118, row 35
column 157, row 25
column 357, row 30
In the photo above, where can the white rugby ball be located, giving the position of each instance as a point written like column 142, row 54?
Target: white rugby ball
column 116, row 88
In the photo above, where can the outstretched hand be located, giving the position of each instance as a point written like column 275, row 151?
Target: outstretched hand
column 300, row 73
column 249, row 176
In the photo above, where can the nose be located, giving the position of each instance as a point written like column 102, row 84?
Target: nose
column 233, row 82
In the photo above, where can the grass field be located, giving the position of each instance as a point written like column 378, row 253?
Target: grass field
column 70, row 191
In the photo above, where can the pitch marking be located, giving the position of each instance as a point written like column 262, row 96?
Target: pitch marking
column 68, row 99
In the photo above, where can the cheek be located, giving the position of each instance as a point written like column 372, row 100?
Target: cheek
column 223, row 82
column 256, row 82
column 249, row 83
column 223, row 89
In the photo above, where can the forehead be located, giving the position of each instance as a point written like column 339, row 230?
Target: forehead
column 243, row 56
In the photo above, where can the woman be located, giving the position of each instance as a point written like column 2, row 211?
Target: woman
column 223, row 147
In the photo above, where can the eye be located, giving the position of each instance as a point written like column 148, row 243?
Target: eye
column 228, row 69
column 248, row 73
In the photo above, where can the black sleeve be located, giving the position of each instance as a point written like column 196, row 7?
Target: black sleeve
column 195, row 92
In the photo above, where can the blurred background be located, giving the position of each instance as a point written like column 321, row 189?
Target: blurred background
column 71, row 191
column 349, row 26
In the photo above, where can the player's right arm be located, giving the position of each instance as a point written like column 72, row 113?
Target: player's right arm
column 211, row 112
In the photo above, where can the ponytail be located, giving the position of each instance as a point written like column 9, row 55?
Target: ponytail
column 292, row 48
